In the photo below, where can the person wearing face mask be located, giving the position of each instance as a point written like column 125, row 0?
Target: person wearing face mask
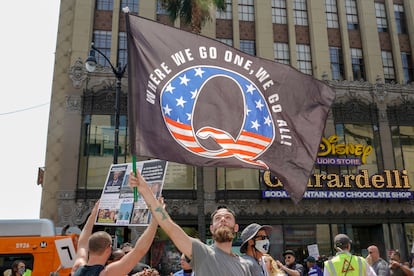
column 255, row 243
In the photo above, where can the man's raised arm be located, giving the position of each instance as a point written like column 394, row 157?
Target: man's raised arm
column 127, row 262
column 82, row 248
column 181, row 240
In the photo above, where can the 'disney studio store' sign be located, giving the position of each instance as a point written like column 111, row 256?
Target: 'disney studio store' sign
column 391, row 184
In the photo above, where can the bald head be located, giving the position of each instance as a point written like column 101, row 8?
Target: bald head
column 374, row 253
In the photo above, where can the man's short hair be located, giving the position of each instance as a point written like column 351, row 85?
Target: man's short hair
column 125, row 244
column 99, row 241
column 223, row 207
column 342, row 241
column 116, row 254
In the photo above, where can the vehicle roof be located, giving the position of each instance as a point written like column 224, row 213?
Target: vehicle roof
column 27, row 227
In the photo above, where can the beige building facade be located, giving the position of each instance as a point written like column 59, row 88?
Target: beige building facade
column 362, row 49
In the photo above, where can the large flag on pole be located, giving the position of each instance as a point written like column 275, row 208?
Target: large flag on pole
column 197, row 101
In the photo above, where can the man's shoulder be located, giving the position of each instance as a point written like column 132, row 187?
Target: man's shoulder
column 383, row 262
column 179, row 273
column 248, row 257
column 299, row 267
column 89, row 270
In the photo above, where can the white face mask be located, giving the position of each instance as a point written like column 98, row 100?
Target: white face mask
column 262, row 246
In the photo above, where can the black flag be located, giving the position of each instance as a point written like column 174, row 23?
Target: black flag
column 197, row 101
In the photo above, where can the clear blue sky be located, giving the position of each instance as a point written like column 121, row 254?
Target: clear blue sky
column 28, row 29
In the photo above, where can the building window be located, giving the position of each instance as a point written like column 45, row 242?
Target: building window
column 400, row 19
column 362, row 134
column 102, row 41
column 357, row 64
column 381, row 15
column 122, row 49
column 225, row 14
column 227, row 41
column 304, row 58
column 98, row 146
column 237, row 179
column 180, row 177
column 356, row 123
column 407, row 67
column 279, row 11
column 104, row 5
column 388, row 66
column 248, row 46
column 246, row 10
column 351, row 14
column 331, row 14
column 337, row 63
column 403, row 144
column 300, row 12
column 133, row 5
column 281, row 51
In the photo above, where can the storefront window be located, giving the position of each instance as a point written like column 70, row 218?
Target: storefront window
column 409, row 232
column 237, row 179
column 368, row 137
column 403, row 144
column 180, row 176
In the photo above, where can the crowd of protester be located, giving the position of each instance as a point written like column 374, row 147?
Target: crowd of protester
column 95, row 255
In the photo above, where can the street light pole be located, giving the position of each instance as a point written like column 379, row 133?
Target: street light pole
column 119, row 71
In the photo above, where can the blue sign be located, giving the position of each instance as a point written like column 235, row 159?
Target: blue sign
column 343, row 194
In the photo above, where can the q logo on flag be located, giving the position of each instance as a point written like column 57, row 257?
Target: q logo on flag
column 182, row 93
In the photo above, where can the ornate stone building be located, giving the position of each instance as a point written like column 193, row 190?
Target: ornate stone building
column 362, row 49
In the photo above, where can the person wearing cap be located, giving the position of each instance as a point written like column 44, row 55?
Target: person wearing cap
column 345, row 263
column 313, row 268
column 255, row 243
column 291, row 267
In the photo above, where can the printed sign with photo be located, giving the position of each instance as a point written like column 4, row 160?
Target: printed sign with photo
column 117, row 206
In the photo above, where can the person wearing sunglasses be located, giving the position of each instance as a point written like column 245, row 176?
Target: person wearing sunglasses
column 291, row 267
column 186, row 269
column 377, row 263
column 255, row 243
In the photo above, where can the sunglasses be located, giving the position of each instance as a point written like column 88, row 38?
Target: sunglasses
column 185, row 259
column 262, row 237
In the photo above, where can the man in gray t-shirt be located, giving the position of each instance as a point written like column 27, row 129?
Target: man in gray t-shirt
column 217, row 259
column 379, row 265
column 211, row 260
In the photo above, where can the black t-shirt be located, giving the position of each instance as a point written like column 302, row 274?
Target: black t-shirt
column 89, row 270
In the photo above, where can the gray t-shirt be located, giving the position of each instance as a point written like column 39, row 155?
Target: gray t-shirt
column 381, row 267
column 255, row 268
column 210, row 260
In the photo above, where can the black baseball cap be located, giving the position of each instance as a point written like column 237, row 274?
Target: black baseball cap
column 310, row 259
column 289, row 252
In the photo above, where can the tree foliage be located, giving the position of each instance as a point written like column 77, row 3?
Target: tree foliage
column 193, row 12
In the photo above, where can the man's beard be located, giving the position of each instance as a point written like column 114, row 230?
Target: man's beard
column 223, row 234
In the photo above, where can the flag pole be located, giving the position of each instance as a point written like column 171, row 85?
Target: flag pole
column 134, row 157
column 134, row 170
